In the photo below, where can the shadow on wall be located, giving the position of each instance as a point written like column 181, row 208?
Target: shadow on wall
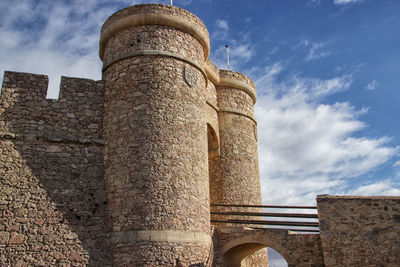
column 52, row 202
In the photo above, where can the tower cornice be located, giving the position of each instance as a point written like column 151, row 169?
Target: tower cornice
column 155, row 14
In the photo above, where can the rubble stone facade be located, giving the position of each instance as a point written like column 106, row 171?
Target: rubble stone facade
column 119, row 172
column 52, row 197
column 124, row 171
column 360, row 231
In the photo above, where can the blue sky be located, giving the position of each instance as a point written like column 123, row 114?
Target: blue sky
column 327, row 75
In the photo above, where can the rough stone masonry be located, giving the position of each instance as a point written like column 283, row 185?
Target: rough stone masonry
column 123, row 171
column 118, row 172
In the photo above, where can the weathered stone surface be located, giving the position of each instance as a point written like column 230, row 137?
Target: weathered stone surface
column 51, row 183
column 155, row 137
column 16, row 238
column 360, row 231
column 234, row 175
column 161, row 150
column 4, row 238
column 121, row 172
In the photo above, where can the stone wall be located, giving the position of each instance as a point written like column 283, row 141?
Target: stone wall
column 52, row 201
column 360, row 231
column 75, row 117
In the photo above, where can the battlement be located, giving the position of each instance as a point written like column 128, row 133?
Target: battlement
column 75, row 117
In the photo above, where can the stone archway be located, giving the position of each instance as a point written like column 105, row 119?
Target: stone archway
column 297, row 249
column 214, row 165
column 235, row 256
column 213, row 144
column 241, row 248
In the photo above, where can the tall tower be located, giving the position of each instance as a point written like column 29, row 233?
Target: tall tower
column 240, row 178
column 155, row 134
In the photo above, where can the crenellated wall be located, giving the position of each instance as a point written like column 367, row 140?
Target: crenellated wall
column 52, row 201
column 75, row 117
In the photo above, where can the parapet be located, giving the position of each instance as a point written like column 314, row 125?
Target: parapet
column 212, row 72
column 238, row 81
column 359, row 230
column 76, row 116
column 155, row 14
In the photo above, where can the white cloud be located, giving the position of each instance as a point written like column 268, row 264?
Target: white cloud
column 303, row 42
column 63, row 40
column 313, row 2
column 316, row 53
column 397, row 164
column 222, row 30
column 307, row 147
column 240, row 49
column 372, row 85
column 345, row 2
column 238, row 54
column 242, row 52
column 222, row 24
column 55, row 38
column 315, row 49
column 381, row 188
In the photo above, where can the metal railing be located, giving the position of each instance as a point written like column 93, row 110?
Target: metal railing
column 297, row 222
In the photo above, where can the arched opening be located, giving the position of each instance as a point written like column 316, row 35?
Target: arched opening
column 258, row 258
column 241, row 255
column 252, row 254
column 213, row 144
column 214, row 168
column 275, row 259
column 251, row 250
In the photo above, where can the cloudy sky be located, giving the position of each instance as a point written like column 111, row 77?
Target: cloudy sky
column 327, row 75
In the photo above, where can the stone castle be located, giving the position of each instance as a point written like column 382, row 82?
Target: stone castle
column 125, row 171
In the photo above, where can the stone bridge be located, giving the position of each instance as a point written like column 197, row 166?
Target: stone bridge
column 299, row 250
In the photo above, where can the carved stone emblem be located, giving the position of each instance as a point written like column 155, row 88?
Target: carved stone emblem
column 190, row 76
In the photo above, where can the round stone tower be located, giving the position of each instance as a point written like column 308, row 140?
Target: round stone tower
column 238, row 137
column 239, row 178
column 155, row 136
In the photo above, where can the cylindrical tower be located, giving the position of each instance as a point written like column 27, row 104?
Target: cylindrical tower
column 238, row 137
column 155, row 135
column 239, row 176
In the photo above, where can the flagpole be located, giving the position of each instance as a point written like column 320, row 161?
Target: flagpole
column 227, row 55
